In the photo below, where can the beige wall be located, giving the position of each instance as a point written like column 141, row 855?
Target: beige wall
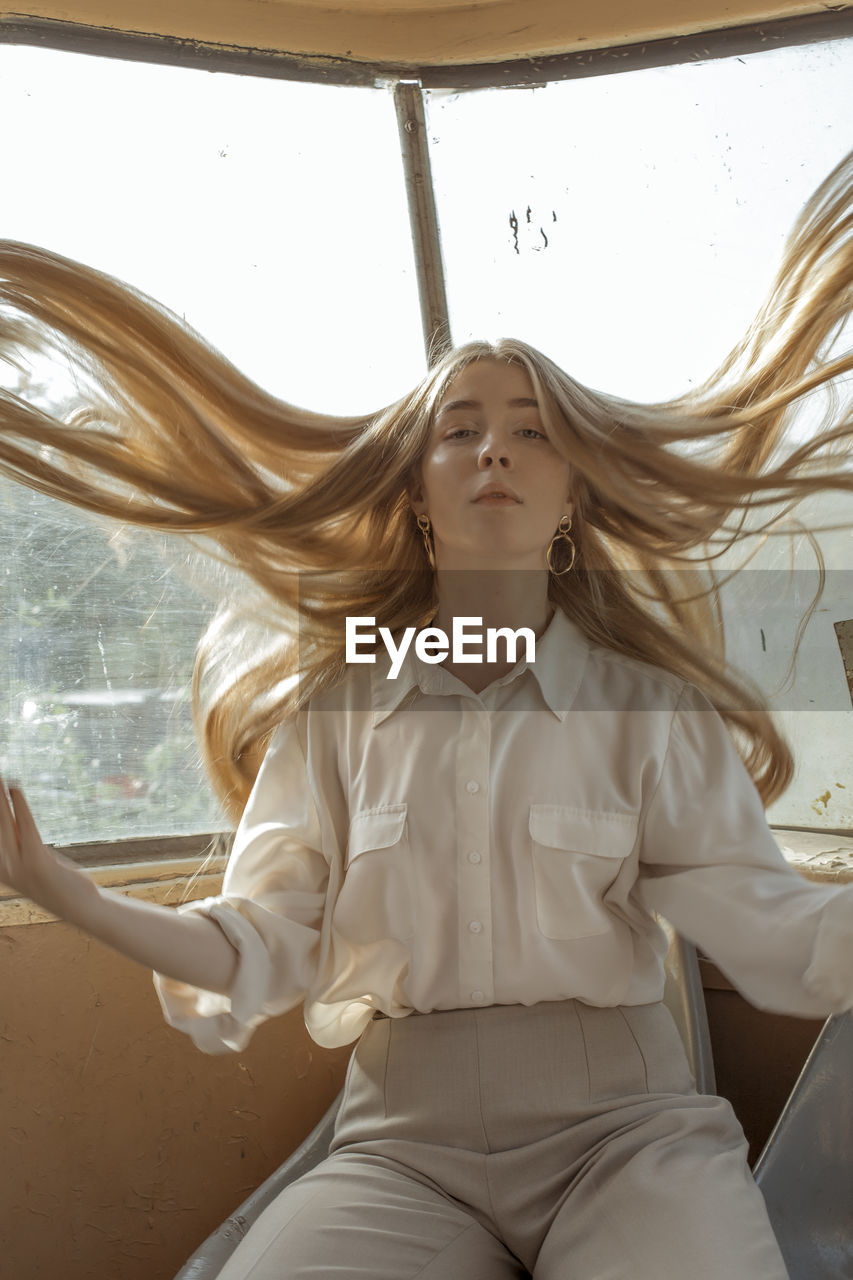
column 413, row 31
column 122, row 1145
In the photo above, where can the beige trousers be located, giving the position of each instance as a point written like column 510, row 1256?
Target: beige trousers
column 561, row 1140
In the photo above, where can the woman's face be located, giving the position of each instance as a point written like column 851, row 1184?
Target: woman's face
column 491, row 481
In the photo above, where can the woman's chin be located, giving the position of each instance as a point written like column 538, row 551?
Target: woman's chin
column 494, row 559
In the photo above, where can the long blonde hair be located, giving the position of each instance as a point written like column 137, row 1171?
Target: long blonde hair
column 313, row 509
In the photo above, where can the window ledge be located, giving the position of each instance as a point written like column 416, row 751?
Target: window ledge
column 181, row 869
column 168, row 871
column 824, row 856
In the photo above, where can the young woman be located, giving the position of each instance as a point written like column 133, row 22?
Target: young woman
column 456, row 864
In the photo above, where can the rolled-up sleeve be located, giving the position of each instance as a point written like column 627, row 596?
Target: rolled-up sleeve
column 270, row 909
column 710, row 865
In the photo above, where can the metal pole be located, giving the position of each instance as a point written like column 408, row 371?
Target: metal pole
column 411, row 121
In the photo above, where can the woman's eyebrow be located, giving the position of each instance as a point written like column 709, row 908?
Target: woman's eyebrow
column 523, row 403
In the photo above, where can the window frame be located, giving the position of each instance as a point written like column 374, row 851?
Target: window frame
column 718, row 42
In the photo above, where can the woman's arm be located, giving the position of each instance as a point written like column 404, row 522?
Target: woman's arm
column 271, row 906
column 188, row 947
column 711, row 866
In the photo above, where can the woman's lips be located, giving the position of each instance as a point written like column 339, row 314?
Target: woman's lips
column 496, row 500
column 497, row 494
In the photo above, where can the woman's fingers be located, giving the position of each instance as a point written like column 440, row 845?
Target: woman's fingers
column 8, row 826
column 21, row 845
column 9, row 840
column 32, row 868
column 5, row 811
column 17, row 824
column 24, row 820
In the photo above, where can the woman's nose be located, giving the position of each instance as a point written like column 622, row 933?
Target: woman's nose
column 494, row 451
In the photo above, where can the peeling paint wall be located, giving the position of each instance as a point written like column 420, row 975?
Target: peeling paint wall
column 123, row 1145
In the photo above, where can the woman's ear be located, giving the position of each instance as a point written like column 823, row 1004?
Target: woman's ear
column 415, row 494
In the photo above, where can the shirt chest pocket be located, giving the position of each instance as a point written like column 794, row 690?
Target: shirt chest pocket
column 576, row 855
column 376, row 898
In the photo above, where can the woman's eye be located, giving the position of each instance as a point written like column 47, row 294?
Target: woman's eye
column 527, row 433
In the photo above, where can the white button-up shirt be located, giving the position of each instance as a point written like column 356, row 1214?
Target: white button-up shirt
column 412, row 845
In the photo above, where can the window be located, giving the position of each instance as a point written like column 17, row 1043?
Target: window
column 628, row 224
column 238, row 202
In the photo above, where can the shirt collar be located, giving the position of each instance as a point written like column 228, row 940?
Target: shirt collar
column 561, row 656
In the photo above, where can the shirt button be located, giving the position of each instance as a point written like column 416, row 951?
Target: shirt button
column 472, row 787
column 474, row 856
column 478, row 996
column 476, row 926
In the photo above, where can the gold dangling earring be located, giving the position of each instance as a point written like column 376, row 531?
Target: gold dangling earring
column 562, row 535
column 426, row 532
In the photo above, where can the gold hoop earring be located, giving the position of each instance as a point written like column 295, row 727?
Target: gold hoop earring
column 426, row 532
column 562, row 535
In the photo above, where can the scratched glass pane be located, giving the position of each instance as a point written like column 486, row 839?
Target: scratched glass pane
column 270, row 214
column 97, row 633
column 629, row 225
column 230, row 199
column 813, row 703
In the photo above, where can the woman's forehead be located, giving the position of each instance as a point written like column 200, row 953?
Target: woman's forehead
column 488, row 377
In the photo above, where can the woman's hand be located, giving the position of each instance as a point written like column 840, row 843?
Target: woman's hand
column 33, row 870
column 189, row 948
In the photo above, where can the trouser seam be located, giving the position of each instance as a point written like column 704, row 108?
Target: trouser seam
column 577, row 1014
column 435, row 1257
column 639, row 1047
column 480, row 1085
column 488, row 1181
column 282, row 1227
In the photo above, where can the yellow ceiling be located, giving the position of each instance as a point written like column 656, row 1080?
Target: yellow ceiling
column 414, row 31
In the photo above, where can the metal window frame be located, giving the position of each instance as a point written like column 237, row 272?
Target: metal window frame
column 725, row 42
column 409, row 85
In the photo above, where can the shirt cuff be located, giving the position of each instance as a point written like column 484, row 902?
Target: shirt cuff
column 221, row 1023
column 829, row 977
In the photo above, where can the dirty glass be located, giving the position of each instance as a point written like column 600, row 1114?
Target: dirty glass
column 97, row 635
column 272, row 216
column 629, row 226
